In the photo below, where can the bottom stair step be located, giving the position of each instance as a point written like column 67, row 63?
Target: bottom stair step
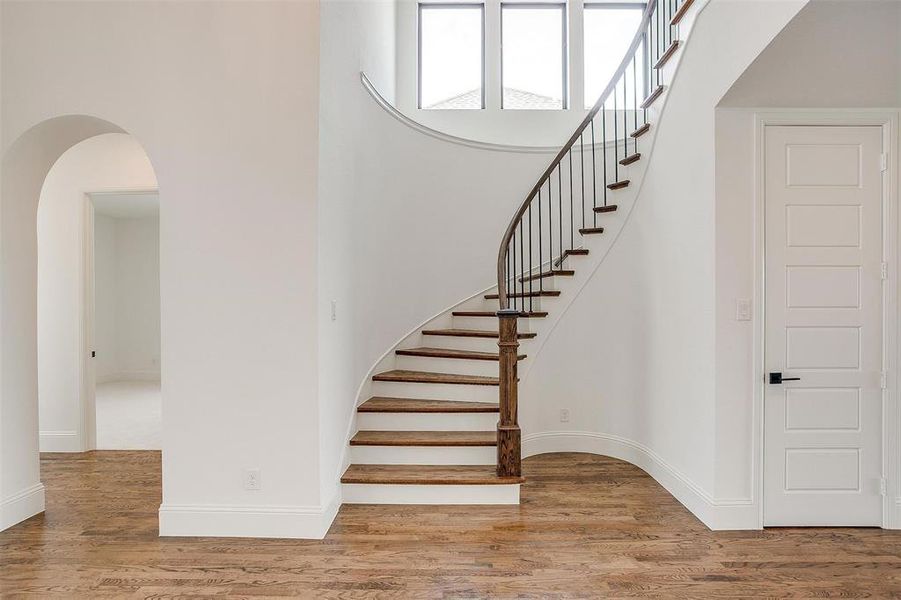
column 426, row 475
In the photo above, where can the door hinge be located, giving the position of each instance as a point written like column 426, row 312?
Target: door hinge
column 884, row 271
column 882, row 487
column 883, row 378
column 883, row 162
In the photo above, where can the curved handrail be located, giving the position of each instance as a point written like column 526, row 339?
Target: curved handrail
column 516, row 221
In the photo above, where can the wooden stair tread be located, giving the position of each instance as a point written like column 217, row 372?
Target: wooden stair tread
column 427, row 475
column 641, row 131
column 381, row 404
column 424, row 438
column 606, row 209
column 630, row 159
column 487, row 313
column 403, row 376
column 470, row 333
column 568, row 253
column 591, row 230
column 618, row 185
column 451, row 353
column 551, row 273
column 667, row 55
column 681, row 12
column 654, row 95
column 535, row 294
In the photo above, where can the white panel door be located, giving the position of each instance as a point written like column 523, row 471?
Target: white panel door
column 823, row 430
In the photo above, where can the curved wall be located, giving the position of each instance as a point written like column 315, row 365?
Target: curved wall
column 409, row 224
column 634, row 357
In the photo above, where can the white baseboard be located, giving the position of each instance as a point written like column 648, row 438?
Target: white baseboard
column 129, row 376
column 894, row 520
column 218, row 520
column 60, row 441
column 22, row 505
column 715, row 514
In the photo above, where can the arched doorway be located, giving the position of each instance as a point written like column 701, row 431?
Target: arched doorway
column 25, row 166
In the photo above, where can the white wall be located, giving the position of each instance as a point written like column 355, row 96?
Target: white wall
column 356, row 36
column 127, row 297
column 108, row 162
column 836, row 53
column 224, row 98
column 860, row 68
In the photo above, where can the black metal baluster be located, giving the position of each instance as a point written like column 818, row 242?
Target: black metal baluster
column 625, row 114
column 594, row 170
column 660, row 42
column 531, row 279
column 509, row 270
column 582, row 176
column 550, row 218
column 560, row 205
column 615, row 142
column 604, row 142
column 647, row 71
column 572, row 235
column 635, row 102
column 512, row 288
column 540, row 251
column 522, row 268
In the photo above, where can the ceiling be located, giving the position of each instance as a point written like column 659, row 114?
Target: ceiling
column 132, row 205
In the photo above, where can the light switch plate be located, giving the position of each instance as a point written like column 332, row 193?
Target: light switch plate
column 742, row 309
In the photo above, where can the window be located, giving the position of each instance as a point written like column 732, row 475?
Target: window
column 533, row 62
column 451, row 57
column 609, row 29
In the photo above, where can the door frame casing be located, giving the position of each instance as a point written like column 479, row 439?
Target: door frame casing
column 87, row 388
column 888, row 120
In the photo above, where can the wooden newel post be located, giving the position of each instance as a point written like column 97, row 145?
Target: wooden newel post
column 509, row 459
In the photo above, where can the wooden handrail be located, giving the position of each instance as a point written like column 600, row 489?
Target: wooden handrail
column 637, row 41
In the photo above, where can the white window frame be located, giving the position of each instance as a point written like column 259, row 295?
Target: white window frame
column 637, row 5
column 563, row 7
column 446, row 6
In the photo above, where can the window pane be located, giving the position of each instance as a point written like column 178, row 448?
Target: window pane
column 451, row 57
column 533, row 56
column 608, row 33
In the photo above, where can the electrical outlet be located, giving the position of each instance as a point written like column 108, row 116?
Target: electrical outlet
column 253, row 479
column 564, row 415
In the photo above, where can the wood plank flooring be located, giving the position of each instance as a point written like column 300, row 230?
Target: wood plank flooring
column 588, row 527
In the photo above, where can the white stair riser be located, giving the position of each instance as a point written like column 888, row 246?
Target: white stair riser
column 447, row 365
column 461, row 343
column 539, row 303
column 427, row 421
column 489, row 324
column 357, row 493
column 423, row 455
column 435, row 391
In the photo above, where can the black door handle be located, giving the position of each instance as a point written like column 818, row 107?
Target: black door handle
column 777, row 378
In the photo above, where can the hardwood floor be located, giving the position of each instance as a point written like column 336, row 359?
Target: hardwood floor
column 588, row 527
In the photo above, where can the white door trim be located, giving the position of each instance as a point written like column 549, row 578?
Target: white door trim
column 888, row 119
column 87, row 388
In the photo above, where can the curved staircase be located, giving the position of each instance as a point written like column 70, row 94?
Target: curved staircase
column 441, row 427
